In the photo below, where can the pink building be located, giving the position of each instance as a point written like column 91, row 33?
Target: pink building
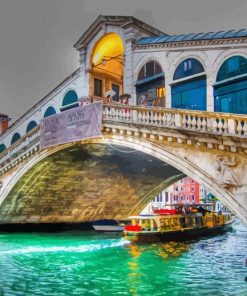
column 185, row 191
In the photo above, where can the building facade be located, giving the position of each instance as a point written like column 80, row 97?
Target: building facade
column 203, row 71
column 184, row 192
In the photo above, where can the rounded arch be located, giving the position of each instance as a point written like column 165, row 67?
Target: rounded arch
column 31, row 125
column 222, row 57
column 230, row 87
column 149, row 69
column 188, row 67
column 200, row 57
column 15, row 138
column 168, row 156
column 49, row 111
column 109, row 45
column 2, row 148
column 106, row 63
column 70, row 100
column 91, row 46
column 143, row 60
column 231, row 67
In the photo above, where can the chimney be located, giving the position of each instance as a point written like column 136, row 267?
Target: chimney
column 4, row 122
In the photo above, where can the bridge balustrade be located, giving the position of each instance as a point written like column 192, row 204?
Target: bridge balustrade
column 206, row 122
column 232, row 125
column 19, row 147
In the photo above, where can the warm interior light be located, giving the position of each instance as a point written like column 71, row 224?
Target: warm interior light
column 110, row 45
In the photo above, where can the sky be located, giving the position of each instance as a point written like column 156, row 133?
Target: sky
column 37, row 37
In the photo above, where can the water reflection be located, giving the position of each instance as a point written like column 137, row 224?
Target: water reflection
column 85, row 264
column 164, row 250
column 172, row 249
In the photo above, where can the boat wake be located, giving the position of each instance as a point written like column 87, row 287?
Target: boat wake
column 71, row 249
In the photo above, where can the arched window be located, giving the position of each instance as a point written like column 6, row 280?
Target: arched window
column 32, row 124
column 190, row 92
column 187, row 68
column 232, row 67
column 2, row 148
column 230, row 89
column 15, row 138
column 149, row 69
column 49, row 111
column 150, row 86
column 70, row 100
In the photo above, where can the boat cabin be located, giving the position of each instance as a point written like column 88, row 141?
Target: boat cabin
column 166, row 223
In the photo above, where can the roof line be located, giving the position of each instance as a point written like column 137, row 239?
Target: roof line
column 116, row 19
column 238, row 33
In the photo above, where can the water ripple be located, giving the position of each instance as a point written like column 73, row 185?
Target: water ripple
column 85, row 264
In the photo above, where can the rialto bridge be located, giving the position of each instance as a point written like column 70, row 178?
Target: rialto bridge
column 186, row 116
column 142, row 151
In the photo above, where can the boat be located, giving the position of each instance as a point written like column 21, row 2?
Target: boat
column 108, row 226
column 170, row 225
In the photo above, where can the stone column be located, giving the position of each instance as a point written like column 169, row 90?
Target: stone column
column 84, row 72
column 128, row 84
column 168, row 82
column 210, row 94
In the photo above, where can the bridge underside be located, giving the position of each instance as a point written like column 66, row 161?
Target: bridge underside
column 85, row 183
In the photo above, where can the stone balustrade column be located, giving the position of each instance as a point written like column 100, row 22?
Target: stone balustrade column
column 178, row 120
column 232, row 126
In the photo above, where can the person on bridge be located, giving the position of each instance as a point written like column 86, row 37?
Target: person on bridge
column 109, row 95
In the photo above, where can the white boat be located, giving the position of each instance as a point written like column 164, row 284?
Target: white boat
column 107, row 226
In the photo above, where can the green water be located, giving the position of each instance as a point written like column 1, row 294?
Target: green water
column 83, row 263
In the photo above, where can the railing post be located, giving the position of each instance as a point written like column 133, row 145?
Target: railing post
column 232, row 126
column 134, row 116
column 178, row 120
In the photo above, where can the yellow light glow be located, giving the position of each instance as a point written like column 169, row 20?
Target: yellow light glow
column 160, row 92
column 110, row 45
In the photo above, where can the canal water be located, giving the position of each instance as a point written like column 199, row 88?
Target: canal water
column 84, row 263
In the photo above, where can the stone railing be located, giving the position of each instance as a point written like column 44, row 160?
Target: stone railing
column 20, row 146
column 232, row 125
column 206, row 122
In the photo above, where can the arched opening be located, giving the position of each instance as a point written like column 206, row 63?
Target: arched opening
column 107, row 66
column 15, row 138
column 172, row 158
column 2, row 148
column 230, row 89
column 32, row 124
column 150, row 85
column 189, row 92
column 70, row 100
column 49, row 111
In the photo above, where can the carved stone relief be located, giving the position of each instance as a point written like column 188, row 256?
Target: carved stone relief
column 225, row 175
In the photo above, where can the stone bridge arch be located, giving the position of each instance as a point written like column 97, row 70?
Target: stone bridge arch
column 197, row 164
